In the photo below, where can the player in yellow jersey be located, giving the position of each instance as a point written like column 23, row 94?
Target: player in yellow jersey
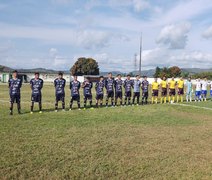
column 155, row 89
column 180, row 89
column 172, row 91
column 163, row 87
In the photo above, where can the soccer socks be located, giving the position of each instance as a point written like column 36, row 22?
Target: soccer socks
column 178, row 98
column 78, row 103
column 106, row 101
column 169, row 99
column 11, row 108
column 56, row 105
column 63, row 104
column 173, row 99
column 19, row 107
column 152, row 100
column 164, row 99
column 40, row 106
column 181, row 98
column 32, row 106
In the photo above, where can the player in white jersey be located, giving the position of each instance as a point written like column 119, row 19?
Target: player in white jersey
column 204, row 89
column 198, row 88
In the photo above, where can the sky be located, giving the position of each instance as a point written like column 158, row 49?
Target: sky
column 53, row 34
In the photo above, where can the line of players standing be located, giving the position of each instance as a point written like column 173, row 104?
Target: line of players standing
column 114, row 91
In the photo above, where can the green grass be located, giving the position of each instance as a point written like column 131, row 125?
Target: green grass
column 145, row 142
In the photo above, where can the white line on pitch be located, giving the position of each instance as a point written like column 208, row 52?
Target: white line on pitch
column 188, row 105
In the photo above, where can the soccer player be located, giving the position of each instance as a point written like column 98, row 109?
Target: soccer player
column 204, row 89
column 100, row 91
column 14, row 85
column 137, row 85
column 75, row 95
column 189, row 90
column 155, row 89
column 118, row 89
column 211, row 90
column 109, row 85
column 172, row 91
column 163, row 87
column 198, row 90
column 145, row 90
column 59, row 84
column 128, row 85
column 87, row 86
column 36, row 85
column 180, row 88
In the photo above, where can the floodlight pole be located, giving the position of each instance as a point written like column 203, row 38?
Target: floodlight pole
column 140, row 55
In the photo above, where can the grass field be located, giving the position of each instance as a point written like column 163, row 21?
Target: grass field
column 145, row 142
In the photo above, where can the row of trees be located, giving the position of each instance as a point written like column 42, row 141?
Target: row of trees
column 174, row 71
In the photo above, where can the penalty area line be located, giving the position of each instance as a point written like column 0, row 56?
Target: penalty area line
column 188, row 105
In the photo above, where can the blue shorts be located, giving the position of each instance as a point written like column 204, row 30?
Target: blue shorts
column 15, row 98
column 204, row 92
column 198, row 93
column 36, row 97
column 211, row 92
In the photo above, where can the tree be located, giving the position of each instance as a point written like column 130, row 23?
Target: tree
column 157, row 72
column 175, row 71
column 85, row 66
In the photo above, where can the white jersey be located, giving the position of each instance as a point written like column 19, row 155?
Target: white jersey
column 204, row 85
column 198, row 86
column 211, row 85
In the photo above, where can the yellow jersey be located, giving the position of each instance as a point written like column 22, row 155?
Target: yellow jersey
column 163, row 84
column 155, row 86
column 172, row 84
column 180, row 84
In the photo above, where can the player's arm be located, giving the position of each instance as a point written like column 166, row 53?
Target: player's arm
column 64, row 83
column 30, row 84
column 91, row 85
column 55, row 83
column 9, row 83
column 70, row 87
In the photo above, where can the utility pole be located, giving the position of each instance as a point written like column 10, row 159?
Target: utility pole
column 135, row 63
column 140, row 55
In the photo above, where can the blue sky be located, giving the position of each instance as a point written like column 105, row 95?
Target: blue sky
column 54, row 33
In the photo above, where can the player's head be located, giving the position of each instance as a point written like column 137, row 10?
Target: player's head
column 37, row 74
column 119, row 76
column 198, row 79
column 128, row 76
column 173, row 78
column 101, row 78
column 137, row 77
column 75, row 78
column 205, row 78
column 87, row 79
column 164, row 78
column 60, row 75
column 109, row 75
column 189, row 79
column 181, row 78
column 156, row 79
column 15, row 74
column 145, row 77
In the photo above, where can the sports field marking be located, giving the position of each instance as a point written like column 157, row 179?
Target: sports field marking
column 188, row 105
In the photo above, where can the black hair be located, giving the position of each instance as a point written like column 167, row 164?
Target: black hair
column 15, row 71
column 60, row 73
column 118, row 75
column 37, row 73
column 128, row 75
column 101, row 77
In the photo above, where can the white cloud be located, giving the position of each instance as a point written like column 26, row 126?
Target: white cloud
column 208, row 33
column 174, row 35
column 53, row 52
column 140, row 5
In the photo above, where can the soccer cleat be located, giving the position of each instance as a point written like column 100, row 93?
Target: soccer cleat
column 40, row 112
column 11, row 113
column 79, row 109
column 70, row 109
column 63, row 110
column 31, row 112
column 56, row 111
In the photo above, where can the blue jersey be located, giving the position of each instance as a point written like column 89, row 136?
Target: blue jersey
column 118, row 85
column 100, row 87
column 145, row 86
column 128, row 85
column 189, row 86
column 109, row 85
column 59, row 85
column 74, row 86
column 87, row 88
column 137, row 84
column 36, row 86
column 14, row 86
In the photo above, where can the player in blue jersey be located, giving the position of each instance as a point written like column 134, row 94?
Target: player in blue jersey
column 36, row 86
column 14, row 85
column 75, row 95
column 87, row 87
column 99, row 87
column 145, row 90
column 109, row 85
column 137, row 85
column 128, row 85
column 59, row 84
column 118, row 89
